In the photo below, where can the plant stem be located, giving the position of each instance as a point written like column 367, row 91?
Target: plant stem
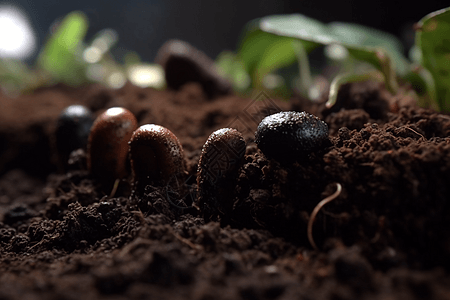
column 303, row 67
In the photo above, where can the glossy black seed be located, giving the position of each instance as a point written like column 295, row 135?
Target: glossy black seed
column 183, row 63
column 290, row 136
column 72, row 130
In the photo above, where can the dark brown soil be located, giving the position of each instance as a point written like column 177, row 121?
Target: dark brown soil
column 386, row 236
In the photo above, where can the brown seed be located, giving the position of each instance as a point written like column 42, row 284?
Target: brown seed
column 217, row 169
column 156, row 156
column 183, row 63
column 107, row 149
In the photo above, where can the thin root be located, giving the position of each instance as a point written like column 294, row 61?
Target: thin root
column 316, row 210
column 409, row 128
column 114, row 189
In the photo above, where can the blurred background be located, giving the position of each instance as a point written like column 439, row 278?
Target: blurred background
column 212, row 26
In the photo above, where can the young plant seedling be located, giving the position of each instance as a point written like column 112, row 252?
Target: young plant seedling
column 59, row 58
column 156, row 157
column 219, row 162
column 107, row 149
column 274, row 42
column 279, row 38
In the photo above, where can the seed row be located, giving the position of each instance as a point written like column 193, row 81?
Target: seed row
column 155, row 156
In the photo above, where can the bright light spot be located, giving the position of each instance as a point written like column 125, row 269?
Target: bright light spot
column 152, row 128
column 147, row 76
column 114, row 111
column 17, row 38
column 116, row 80
column 76, row 110
column 92, row 55
column 272, row 81
column 336, row 52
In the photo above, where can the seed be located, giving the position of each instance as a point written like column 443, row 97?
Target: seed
column 217, row 170
column 183, row 63
column 290, row 136
column 72, row 131
column 107, row 149
column 156, row 156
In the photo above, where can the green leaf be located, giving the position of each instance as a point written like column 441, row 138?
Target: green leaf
column 232, row 68
column 423, row 83
column 277, row 55
column 433, row 40
column 253, row 46
column 14, row 75
column 262, row 52
column 310, row 31
column 358, row 35
column 61, row 55
column 379, row 59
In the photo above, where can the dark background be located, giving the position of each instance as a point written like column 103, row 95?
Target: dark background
column 212, row 26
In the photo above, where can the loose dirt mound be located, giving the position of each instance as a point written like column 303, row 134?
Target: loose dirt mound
column 386, row 235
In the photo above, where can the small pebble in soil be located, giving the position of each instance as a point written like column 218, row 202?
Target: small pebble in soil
column 156, row 156
column 217, row 170
column 72, row 131
column 183, row 63
column 107, row 148
column 290, row 136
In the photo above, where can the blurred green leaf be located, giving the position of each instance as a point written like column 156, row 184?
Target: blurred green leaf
column 267, row 45
column 61, row 55
column 253, row 46
column 423, row 83
column 358, row 35
column 232, row 68
column 380, row 60
column 310, row 31
column 433, row 40
column 262, row 50
column 277, row 55
column 14, row 75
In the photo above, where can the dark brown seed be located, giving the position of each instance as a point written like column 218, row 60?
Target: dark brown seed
column 217, row 170
column 156, row 156
column 290, row 136
column 107, row 150
column 183, row 63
